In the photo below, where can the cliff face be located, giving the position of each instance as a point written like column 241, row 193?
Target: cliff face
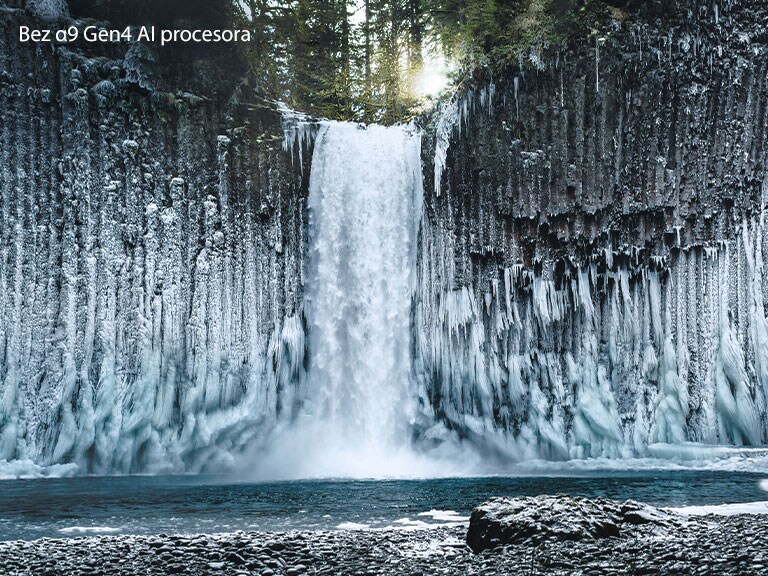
column 590, row 262
column 592, row 266
column 150, row 263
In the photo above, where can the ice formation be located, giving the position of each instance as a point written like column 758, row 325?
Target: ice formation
column 451, row 117
column 591, row 268
column 177, row 289
column 598, row 363
column 150, row 270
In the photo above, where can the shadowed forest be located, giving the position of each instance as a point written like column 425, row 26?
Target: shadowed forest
column 374, row 60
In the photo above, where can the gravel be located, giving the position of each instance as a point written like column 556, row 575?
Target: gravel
column 697, row 545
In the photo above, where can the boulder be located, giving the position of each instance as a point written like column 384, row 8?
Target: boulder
column 526, row 520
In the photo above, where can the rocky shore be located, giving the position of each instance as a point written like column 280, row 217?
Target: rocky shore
column 602, row 538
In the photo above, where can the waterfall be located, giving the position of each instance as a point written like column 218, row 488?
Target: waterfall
column 358, row 402
column 365, row 203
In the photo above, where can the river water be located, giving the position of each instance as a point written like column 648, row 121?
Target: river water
column 65, row 507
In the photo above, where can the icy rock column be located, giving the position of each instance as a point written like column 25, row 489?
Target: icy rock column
column 150, row 269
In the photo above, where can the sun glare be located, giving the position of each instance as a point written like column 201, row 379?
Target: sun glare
column 430, row 82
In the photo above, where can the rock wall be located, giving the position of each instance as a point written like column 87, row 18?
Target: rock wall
column 590, row 272
column 592, row 269
column 151, row 245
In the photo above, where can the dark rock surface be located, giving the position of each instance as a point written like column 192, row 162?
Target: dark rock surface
column 599, row 222
column 652, row 136
column 536, row 519
column 722, row 546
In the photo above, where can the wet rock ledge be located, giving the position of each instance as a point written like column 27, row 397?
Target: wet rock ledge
column 544, row 535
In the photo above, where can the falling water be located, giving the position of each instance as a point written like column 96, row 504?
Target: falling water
column 365, row 203
column 359, row 402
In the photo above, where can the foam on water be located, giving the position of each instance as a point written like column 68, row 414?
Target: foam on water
column 445, row 515
column 438, row 518
column 352, row 526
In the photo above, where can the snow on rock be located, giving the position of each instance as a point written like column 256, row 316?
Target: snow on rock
column 503, row 520
column 150, row 267
column 48, row 9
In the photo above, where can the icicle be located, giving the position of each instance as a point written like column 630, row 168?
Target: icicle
column 597, row 65
column 517, row 98
column 297, row 131
column 448, row 120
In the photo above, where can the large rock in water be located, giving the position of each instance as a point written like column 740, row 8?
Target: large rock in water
column 504, row 520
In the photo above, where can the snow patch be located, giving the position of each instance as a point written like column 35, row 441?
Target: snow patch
column 89, row 530
column 723, row 509
column 23, row 469
column 353, row 526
